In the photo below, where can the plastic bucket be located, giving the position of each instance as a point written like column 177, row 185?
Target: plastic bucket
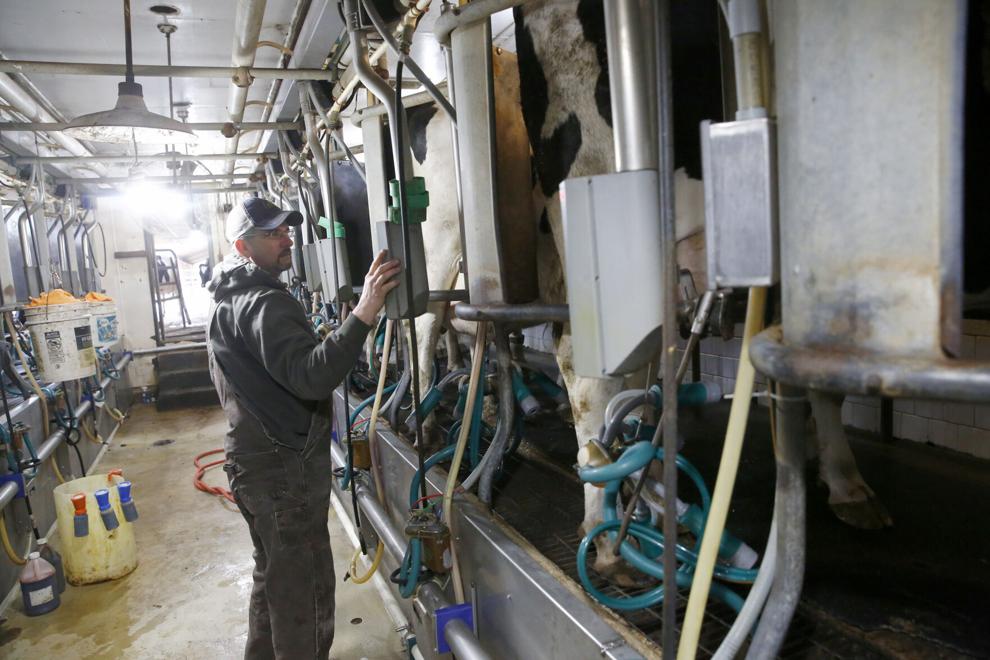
column 100, row 555
column 105, row 332
column 63, row 340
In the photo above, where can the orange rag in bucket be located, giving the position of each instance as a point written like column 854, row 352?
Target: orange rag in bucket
column 93, row 296
column 53, row 297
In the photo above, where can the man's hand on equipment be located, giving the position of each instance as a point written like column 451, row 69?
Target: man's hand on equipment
column 377, row 283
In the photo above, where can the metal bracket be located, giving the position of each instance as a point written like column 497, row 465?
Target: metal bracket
column 16, row 478
column 242, row 76
column 444, row 615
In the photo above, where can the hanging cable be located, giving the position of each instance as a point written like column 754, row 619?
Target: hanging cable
column 406, row 254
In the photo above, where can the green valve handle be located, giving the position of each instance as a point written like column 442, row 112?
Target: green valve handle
column 417, row 200
column 338, row 227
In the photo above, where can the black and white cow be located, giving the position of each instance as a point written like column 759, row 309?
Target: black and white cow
column 564, row 90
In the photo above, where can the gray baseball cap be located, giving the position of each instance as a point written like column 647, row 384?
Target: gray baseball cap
column 257, row 213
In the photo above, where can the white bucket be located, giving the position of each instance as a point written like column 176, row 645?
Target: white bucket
column 105, row 332
column 100, row 555
column 63, row 341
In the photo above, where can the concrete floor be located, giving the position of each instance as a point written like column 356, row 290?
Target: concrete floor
column 188, row 597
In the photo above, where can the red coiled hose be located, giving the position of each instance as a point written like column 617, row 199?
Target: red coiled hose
column 201, row 469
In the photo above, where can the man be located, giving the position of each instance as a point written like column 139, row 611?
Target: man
column 274, row 378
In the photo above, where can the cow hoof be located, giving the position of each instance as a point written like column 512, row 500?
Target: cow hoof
column 621, row 574
column 864, row 514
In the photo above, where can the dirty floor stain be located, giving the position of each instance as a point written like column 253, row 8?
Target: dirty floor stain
column 188, row 596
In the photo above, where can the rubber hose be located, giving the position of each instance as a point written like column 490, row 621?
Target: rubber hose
column 789, row 502
column 751, row 609
column 615, row 424
column 448, row 497
column 361, row 579
column 507, row 411
column 394, row 404
column 8, row 548
column 725, row 482
column 376, row 467
column 439, row 457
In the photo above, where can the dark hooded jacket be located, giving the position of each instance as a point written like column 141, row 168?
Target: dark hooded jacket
column 272, row 372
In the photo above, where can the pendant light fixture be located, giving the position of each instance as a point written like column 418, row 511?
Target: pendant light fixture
column 129, row 121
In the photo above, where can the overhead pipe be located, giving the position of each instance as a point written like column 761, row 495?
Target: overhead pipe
column 400, row 51
column 299, row 14
column 334, row 133
column 241, row 73
column 141, row 158
column 247, row 28
column 189, row 178
column 238, row 126
column 188, row 191
column 411, row 101
column 406, row 22
column 376, row 84
column 456, row 17
column 24, row 104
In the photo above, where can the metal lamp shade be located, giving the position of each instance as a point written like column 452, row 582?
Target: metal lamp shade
column 129, row 121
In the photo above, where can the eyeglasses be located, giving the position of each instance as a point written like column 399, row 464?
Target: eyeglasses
column 269, row 233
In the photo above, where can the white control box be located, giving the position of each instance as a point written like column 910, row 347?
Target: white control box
column 614, row 268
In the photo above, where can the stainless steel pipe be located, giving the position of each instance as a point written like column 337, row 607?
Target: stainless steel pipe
column 630, row 34
column 193, row 126
column 530, row 313
column 142, row 158
column 174, row 348
column 456, row 17
column 162, row 71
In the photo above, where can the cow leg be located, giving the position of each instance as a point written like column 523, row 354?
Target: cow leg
column 850, row 498
column 588, row 397
column 454, row 359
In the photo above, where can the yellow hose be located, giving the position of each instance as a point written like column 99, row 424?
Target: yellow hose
column 374, row 564
column 722, row 496
column 8, row 548
column 58, row 473
column 94, row 435
column 455, row 465
column 376, row 467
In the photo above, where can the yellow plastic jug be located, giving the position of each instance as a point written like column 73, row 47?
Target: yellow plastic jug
column 101, row 553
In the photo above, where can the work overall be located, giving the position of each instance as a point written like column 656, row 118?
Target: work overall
column 284, row 495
